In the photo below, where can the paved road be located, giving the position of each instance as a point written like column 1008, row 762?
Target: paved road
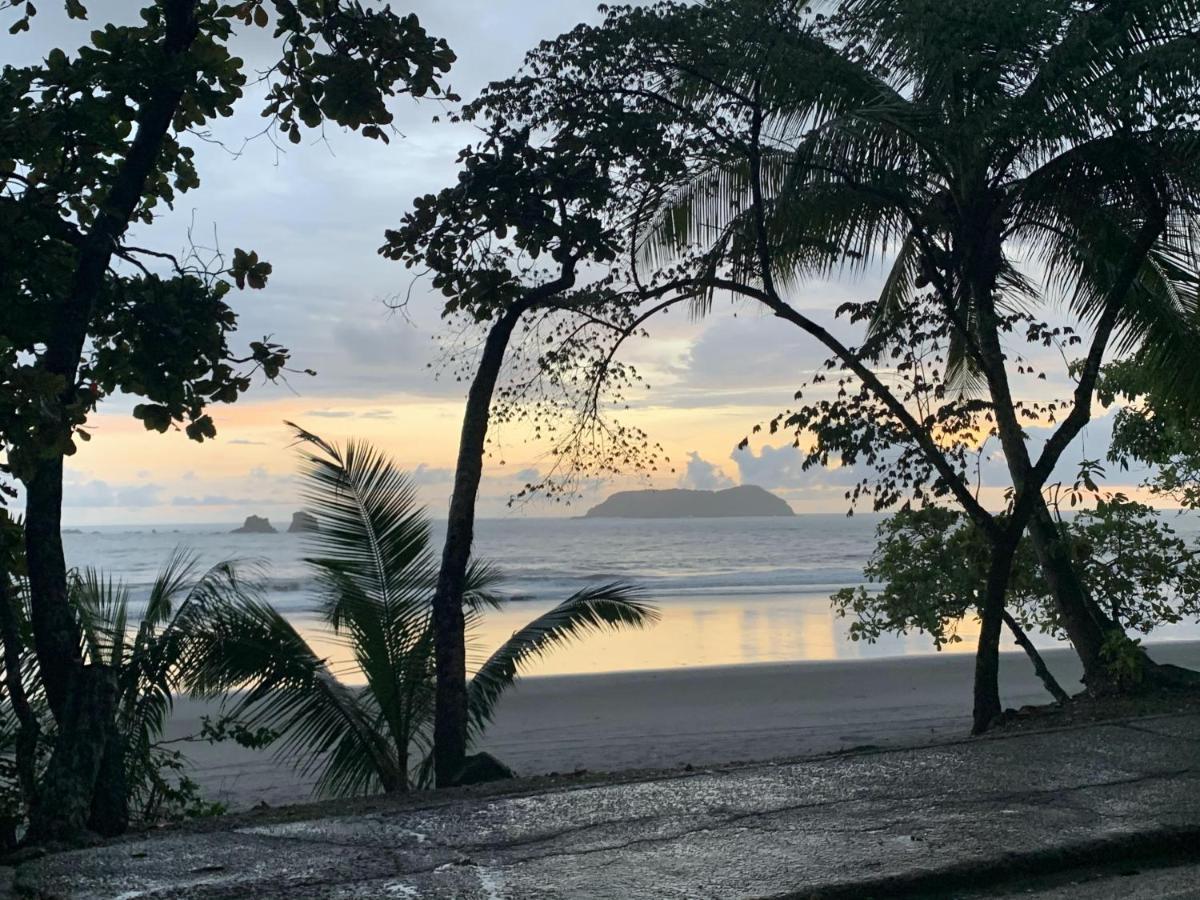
column 959, row 816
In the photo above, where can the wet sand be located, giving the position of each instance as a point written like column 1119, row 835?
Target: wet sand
column 669, row 718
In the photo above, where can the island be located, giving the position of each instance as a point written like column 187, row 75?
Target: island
column 255, row 525
column 745, row 500
column 303, row 522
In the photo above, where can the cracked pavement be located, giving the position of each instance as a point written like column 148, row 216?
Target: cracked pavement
column 868, row 824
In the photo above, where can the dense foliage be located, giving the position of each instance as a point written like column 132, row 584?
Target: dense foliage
column 145, row 641
column 1000, row 160
column 1154, row 430
column 930, row 565
column 93, row 141
column 80, row 162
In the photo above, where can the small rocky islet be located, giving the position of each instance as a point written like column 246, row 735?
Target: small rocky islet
column 302, row 522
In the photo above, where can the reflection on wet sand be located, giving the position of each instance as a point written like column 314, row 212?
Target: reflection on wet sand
column 693, row 631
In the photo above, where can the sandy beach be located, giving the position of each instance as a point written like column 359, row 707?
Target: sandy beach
column 668, row 718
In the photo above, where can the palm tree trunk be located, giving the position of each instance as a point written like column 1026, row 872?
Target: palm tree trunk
column 1071, row 596
column 987, row 653
column 450, row 699
column 1039, row 664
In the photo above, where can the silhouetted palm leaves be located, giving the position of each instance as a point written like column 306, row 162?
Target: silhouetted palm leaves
column 374, row 574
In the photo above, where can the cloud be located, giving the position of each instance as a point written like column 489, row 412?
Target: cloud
column 97, row 493
column 424, row 474
column 701, row 475
column 247, row 443
column 330, row 413
column 207, row 500
column 782, row 467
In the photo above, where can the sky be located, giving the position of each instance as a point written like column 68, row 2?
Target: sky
column 317, row 211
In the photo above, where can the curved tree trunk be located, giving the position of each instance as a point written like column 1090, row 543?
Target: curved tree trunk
column 449, row 639
column 450, row 700
column 1070, row 595
column 1039, row 664
column 1074, row 603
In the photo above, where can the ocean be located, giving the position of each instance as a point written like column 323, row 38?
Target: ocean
column 731, row 591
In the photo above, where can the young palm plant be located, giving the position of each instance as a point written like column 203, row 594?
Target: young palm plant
column 144, row 654
column 147, row 657
column 374, row 574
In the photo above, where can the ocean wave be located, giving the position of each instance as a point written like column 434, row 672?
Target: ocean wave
column 532, row 585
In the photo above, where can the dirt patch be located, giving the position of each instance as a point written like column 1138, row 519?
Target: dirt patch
column 1085, row 710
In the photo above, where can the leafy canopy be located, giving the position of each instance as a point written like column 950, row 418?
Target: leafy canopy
column 931, row 568
column 98, row 138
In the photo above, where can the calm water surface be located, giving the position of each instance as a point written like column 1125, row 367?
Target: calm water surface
column 731, row 591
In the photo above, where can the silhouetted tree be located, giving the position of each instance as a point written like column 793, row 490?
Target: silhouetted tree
column 91, row 142
column 506, row 243
column 948, row 141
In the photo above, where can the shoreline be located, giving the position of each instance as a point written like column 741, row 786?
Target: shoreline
column 669, row 718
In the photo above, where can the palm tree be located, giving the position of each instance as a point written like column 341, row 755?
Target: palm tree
column 374, row 574
column 972, row 139
column 961, row 142
column 958, row 142
column 144, row 654
column 147, row 655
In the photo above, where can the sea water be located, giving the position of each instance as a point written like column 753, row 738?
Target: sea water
column 730, row 591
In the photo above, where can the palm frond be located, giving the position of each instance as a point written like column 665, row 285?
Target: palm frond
column 372, row 543
column 102, row 605
column 606, row 607
column 479, row 593
column 246, row 646
column 156, row 665
column 376, row 573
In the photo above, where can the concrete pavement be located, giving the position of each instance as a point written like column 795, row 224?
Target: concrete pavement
column 949, row 819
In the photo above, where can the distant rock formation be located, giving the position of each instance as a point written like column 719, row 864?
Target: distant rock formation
column 746, row 500
column 255, row 525
column 302, row 522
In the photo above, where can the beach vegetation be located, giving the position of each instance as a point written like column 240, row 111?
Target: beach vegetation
column 1153, row 431
column 929, row 573
column 365, row 724
column 1026, row 177
column 94, row 142
column 143, row 643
